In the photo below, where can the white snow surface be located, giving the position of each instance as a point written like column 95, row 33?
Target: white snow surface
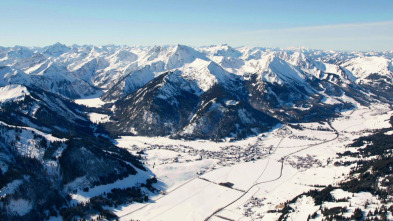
column 200, row 72
column 193, row 201
column 98, row 118
column 47, row 136
column 91, row 101
column 13, row 93
column 362, row 67
column 82, row 196
column 192, row 184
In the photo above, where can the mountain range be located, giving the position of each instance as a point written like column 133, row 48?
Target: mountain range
column 212, row 92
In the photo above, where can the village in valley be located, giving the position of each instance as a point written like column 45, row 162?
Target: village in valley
column 257, row 170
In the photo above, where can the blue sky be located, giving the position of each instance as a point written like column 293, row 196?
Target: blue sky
column 318, row 24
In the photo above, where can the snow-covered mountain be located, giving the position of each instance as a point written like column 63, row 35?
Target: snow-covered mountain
column 103, row 66
column 175, row 86
column 50, row 146
column 48, row 149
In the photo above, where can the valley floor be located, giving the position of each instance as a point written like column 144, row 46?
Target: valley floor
column 248, row 179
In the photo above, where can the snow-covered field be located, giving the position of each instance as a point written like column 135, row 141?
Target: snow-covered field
column 193, row 170
column 91, row 101
column 98, row 118
column 84, row 196
column 94, row 101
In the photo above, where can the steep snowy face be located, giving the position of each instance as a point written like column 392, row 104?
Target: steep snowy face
column 225, row 56
column 305, row 63
column 156, row 61
column 155, row 52
column 181, row 55
column 123, row 56
column 55, row 50
column 129, row 83
column 343, row 74
column 363, row 67
column 249, row 53
column 13, row 92
column 80, row 55
column 165, row 58
column 19, row 52
column 10, row 56
column 205, row 74
column 50, row 77
column 374, row 73
column 221, row 50
column 137, row 79
column 91, row 70
column 275, row 70
column 9, row 75
column 30, row 64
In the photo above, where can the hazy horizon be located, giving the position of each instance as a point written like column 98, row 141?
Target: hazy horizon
column 352, row 25
column 195, row 46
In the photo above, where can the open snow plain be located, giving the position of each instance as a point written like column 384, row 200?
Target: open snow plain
column 245, row 179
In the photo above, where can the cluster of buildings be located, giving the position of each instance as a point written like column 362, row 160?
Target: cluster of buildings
column 303, row 163
column 252, row 203
column 227, row 155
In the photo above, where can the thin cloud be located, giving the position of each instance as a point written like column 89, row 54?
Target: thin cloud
column 384, row 24
column 349, row 36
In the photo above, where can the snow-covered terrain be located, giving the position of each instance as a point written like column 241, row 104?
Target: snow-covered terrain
column 258, row 185
column 13, row 93
column 285, row 84
column 362, row 67
column 91, row 101
column 222, row 133
column 84, row 196
column 84, row 69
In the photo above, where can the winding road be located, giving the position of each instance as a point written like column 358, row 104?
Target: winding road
column 282, row 167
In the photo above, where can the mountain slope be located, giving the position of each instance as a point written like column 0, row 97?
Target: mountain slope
column 49, row 149
column 203, row 102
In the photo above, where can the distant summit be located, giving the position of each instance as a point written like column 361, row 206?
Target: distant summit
column 55, row 50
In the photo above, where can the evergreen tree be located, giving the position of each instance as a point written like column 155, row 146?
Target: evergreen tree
column 357, row 214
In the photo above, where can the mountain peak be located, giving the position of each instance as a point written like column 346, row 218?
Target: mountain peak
column 363, row 67
column 276, row 70
column 181, row 55
column 20, row 52
column 56, row 50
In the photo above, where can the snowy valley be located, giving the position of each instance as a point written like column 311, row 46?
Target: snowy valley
column 195, row 133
